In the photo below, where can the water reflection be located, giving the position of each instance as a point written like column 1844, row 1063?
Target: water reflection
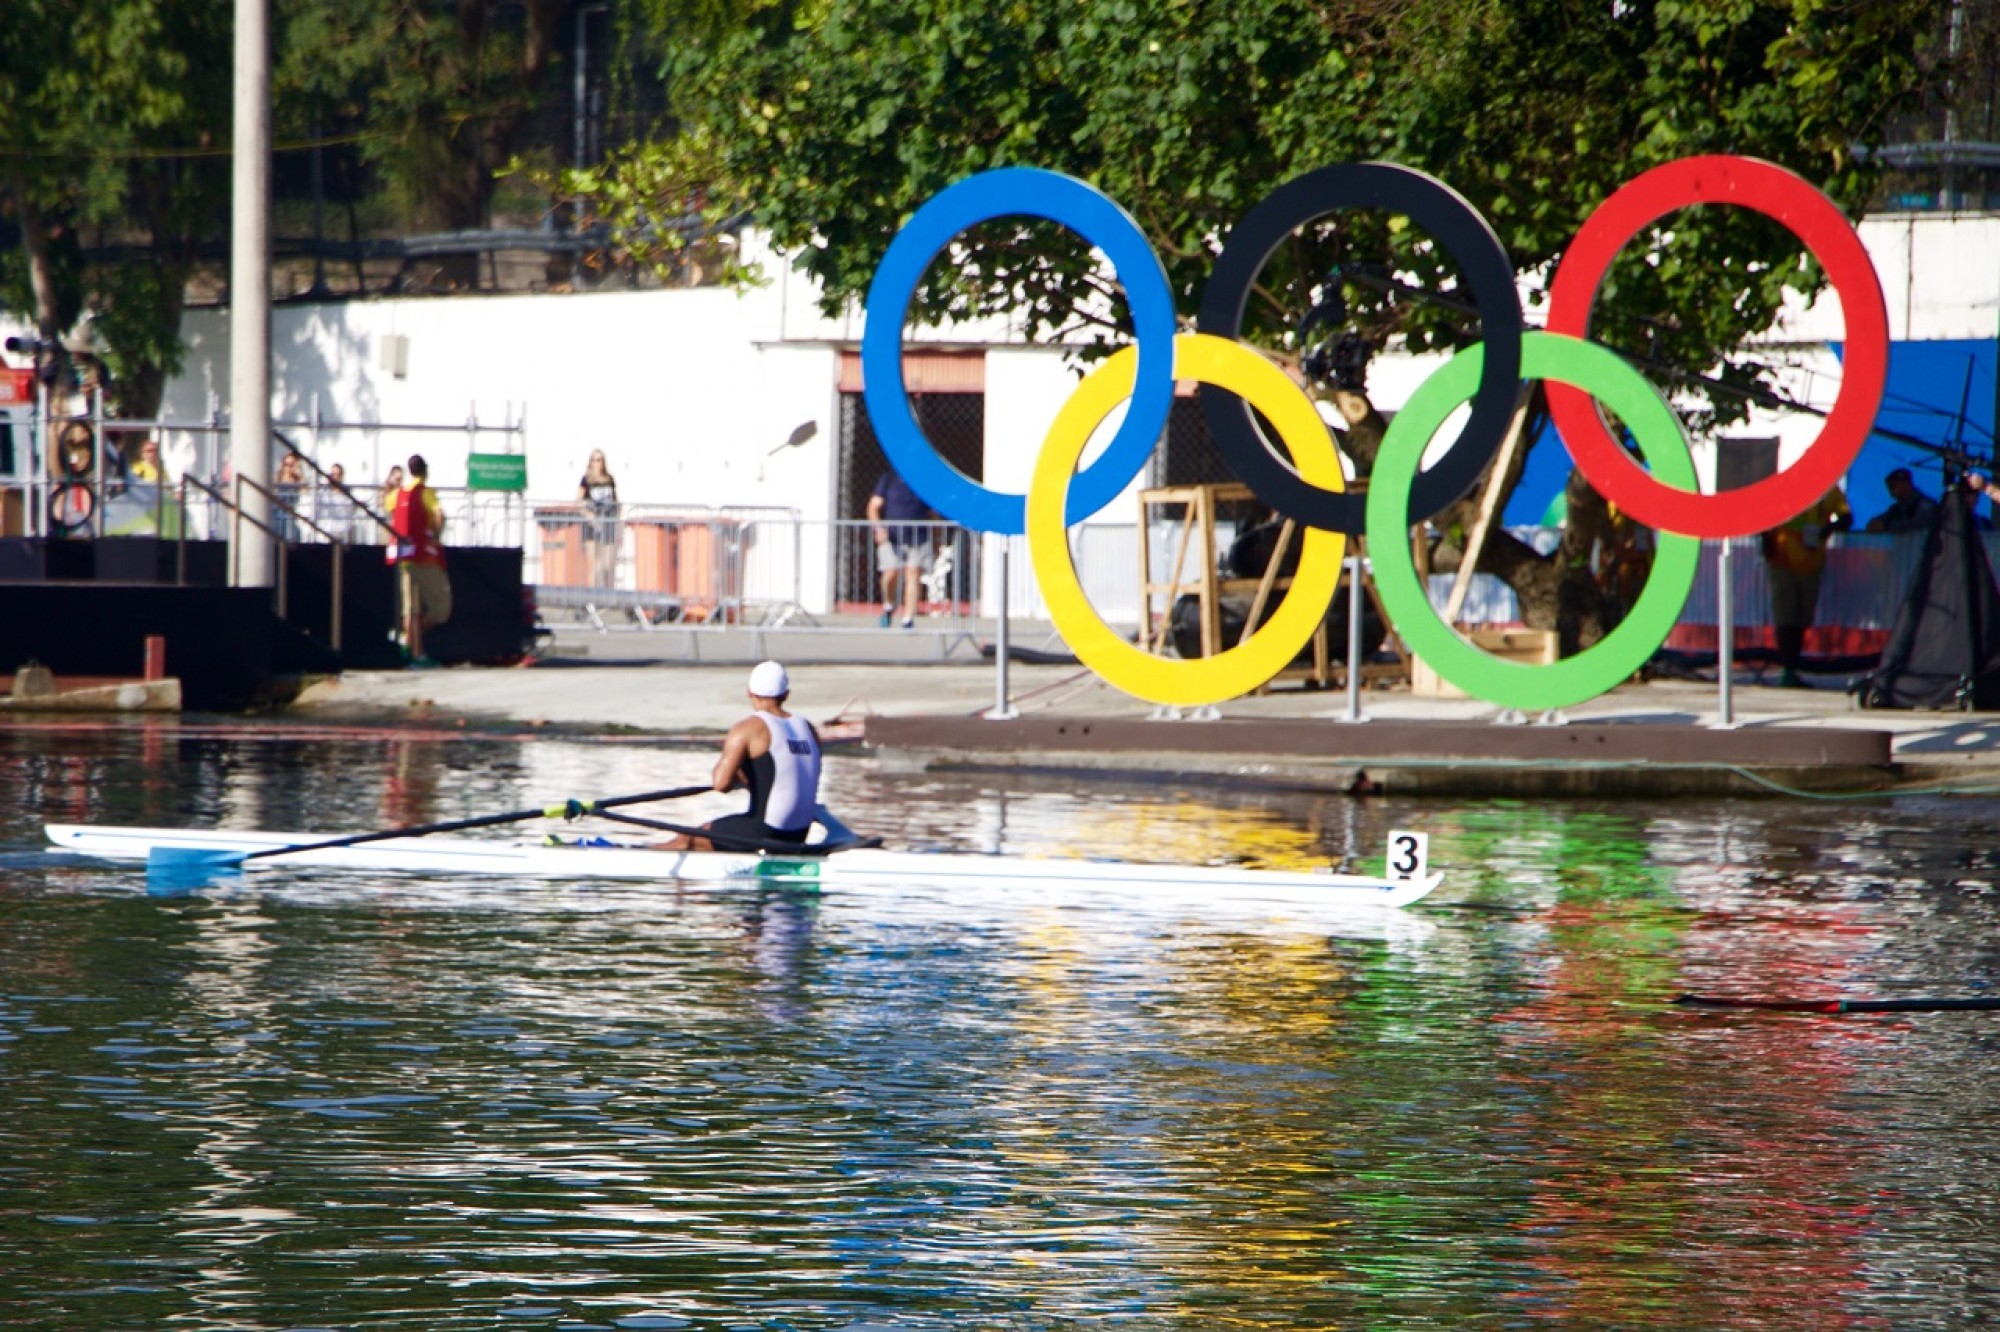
column 317, row 1101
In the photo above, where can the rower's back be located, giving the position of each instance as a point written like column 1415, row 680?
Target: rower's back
column 782, row 770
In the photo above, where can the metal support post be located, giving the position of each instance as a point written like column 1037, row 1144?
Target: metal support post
column 1355, row 639
column 38, row 457
column 1725, row 638
column 250, row 294
column 1003, row 708
column 102, row 442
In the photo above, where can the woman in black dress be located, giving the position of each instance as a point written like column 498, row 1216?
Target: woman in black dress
column 598, row 492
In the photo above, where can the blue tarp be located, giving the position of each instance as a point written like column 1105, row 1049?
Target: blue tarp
column 1929, row 383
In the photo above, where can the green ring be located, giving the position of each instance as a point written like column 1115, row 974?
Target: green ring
column 1610, row 661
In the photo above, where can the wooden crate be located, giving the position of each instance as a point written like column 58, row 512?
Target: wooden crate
column 1534, row 646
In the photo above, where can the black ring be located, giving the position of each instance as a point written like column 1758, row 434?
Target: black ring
column 1453, row 223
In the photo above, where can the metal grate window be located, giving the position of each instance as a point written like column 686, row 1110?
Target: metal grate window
column 955, row 424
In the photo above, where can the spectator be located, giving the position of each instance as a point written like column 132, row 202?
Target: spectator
column 902, row 544
column 418, row 553
column 598, row 492
column 1625, row 561
column 145, row 468
column 392, row 486
column 335, row 508
column 1794, row 556
column 291, row 483
column 1912, row 510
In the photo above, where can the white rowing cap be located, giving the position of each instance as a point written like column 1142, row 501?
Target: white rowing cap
column 768, row 680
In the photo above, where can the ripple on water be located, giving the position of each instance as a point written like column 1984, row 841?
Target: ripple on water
column 392, row 1102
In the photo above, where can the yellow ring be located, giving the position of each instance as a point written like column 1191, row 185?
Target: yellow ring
column 1232, row 673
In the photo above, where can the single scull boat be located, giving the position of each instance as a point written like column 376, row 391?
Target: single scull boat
column 1407, row 877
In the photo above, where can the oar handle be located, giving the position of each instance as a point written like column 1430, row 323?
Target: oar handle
column 569, row 809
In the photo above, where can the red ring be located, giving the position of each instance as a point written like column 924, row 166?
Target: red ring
column 1829, row 237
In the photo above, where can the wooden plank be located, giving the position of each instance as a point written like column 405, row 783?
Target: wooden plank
column 1489, row 502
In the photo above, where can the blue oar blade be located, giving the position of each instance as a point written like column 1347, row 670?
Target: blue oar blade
column 182, row 869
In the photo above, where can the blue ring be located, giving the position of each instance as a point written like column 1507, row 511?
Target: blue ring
column 1033, row 192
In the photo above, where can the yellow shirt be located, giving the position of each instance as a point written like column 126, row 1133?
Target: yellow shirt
column 1799, row 544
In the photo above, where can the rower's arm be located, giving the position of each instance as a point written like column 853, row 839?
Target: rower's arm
column 735, row 753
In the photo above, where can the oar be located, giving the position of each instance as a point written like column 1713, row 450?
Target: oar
column 1980, row 1005
column 734, row 842
column 186, row 860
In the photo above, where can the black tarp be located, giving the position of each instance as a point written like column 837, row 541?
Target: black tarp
column 1944, row 651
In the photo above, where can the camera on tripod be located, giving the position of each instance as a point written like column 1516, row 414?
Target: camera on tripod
column 1340, row 360
column 48, row 355
column 1343, row 362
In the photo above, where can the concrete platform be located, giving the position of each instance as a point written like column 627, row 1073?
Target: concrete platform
column 909, row 710
column 1434, row 757
column 93, row 695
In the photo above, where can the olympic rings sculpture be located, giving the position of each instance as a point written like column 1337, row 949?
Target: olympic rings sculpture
column 1664, row 493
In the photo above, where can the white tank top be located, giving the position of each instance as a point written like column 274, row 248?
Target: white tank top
column 784, row 784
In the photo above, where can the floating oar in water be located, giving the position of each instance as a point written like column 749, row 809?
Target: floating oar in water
column 181, row 866
column 1986, row 1004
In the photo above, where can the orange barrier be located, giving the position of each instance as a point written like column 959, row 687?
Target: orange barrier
column 564, row 563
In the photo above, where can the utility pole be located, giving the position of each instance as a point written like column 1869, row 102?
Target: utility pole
column 251, row 560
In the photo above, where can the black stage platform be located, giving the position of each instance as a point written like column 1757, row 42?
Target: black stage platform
column 87, row 607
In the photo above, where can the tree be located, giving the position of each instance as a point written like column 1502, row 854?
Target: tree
column 110, row 126
column 115, row 133
column 834, row 119
column 440, row 94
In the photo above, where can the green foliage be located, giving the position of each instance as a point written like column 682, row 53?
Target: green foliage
column 438, row 89
column 99, row 102
column 115, row 125
column 651, row 198
column 835, row 120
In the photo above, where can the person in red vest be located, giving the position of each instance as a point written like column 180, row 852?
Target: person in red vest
column 417, row 522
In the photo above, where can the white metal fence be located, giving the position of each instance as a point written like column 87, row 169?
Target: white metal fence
column 763, row 566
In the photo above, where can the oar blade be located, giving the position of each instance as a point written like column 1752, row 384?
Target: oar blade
column 181, row 869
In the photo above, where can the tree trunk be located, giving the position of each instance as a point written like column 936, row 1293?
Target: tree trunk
column 41, row 272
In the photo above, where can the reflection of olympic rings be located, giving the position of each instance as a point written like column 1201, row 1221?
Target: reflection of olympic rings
column 1457, row 227
column 1008, row 192
column 1667, row 497
column 1626, row 648
column 1230, row 365
column 1815, row 220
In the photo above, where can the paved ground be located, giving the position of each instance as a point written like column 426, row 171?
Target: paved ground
column 626, row 682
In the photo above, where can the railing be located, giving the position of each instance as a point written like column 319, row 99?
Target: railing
column 284, row 515
column 45, row 496
column 719, row 566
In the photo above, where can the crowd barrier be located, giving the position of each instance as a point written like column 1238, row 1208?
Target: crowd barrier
column 663, row 563
column 758, row 565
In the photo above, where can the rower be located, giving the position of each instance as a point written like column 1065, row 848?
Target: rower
column 777, row 756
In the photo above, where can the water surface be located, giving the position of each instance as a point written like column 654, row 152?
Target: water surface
column 314, row 1100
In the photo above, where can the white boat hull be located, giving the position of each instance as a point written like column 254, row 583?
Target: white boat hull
column 859, row 867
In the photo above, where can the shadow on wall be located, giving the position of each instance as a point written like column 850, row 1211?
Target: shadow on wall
column 315, row 350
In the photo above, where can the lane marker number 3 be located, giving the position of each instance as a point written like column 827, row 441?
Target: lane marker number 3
column 1409, row 855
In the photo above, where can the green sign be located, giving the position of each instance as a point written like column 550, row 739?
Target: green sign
column 497, row 471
